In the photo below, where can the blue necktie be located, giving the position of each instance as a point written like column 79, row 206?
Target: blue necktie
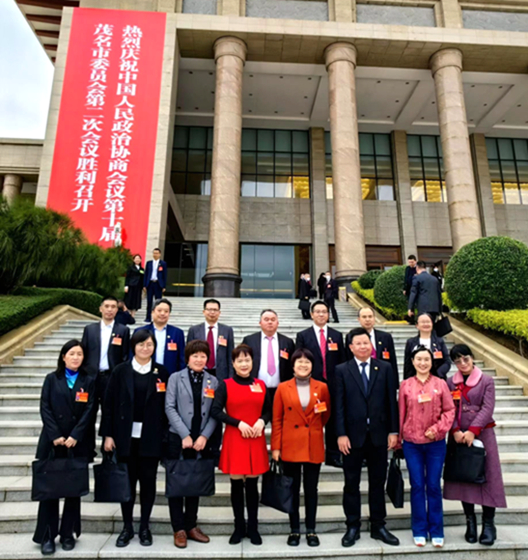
column 364, row 376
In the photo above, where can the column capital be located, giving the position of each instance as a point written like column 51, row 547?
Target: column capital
column 341, row 51
column 444, row 58
column 232, row 46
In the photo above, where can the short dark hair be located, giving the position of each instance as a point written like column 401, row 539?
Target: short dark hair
column 196, row 346
column 302, row 353
column 61, row 366
column 421, row 264
column 109, row 298
column 460, row 350
column 212, row 301
column 156, row 249
column 160, row 301
column 358, row 331
column 421, row 348
column 241, row 350
column 137, row 255
column 140, row 335
column 268, row 311
column 319, row 302
column 411, row 258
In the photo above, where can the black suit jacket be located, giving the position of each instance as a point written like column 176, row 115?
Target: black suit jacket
column 63, row 416
column 426, row 294
column 442, row 365
column 384, row 343
column 223, row 363
column 409, row 275
column 331, row 290
column 353, row 407
column 118, row 410
column 254, row 341
column 91, row 342
column 307, row 339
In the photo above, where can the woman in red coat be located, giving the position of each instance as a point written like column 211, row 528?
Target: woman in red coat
column 244, row 406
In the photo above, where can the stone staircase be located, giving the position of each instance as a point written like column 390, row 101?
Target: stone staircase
column 20, row 425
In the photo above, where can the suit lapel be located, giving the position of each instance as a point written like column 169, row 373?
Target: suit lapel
column 294, row 395
column 153, row 379
column 129, row 381
column 314, row 388
column 356, row 374
column 315, row 342
column 65, row 390
column 374, row 370
column 256, row 355
column 187, row 382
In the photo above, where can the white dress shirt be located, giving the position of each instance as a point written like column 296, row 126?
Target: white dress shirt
column 271, row 381
column 367, row 369
column 425, row 342
column 137, row 427
column 318, row 333
column 155, row 265
column 106, row 335
column 372, row 336
column 161, row 340
column 215, row 336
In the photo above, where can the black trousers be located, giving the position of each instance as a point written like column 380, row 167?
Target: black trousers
column 144, row 469
column 310, row 475
column 331, row 304
column 48, row 520
column 376, row 457
column 154, row 291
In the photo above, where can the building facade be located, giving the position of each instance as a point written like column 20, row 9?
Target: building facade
column 311, row 135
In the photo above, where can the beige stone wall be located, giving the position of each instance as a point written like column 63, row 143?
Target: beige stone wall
column 20, row 156
column 512, row 220
column 169, row 6
column 431, row 223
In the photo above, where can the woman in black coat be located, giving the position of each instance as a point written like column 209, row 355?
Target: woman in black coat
column 134, row 285
column 428, row 338
column 135, row 425
column 67, row 407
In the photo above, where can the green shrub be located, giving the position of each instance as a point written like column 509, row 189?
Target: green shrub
column 388, row 290
column 367, row 280
column 368, row 295
column 514, row 322
column 490, row 273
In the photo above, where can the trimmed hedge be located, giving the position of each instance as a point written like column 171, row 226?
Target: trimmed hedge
column 28, row 303
column 367, row 280
column 369, row 296
column 489, row 273
column 388, row 290
column 514, row 322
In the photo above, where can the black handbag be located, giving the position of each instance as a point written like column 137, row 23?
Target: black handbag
column 395, row 489
column 187, row 478
column 111, row 480
column 304, row 304
column 55, row 478
column 465, row 464
column 277, row 491
column 443, row 326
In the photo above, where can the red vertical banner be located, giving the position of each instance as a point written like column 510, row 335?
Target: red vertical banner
column 103, row 161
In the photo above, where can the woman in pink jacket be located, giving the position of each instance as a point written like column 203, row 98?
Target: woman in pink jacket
column 426, row 416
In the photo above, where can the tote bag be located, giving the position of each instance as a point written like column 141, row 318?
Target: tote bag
column 189, row 477
column 277, row 489
column 111, row 480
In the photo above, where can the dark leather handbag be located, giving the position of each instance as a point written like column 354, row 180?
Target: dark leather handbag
column 443, row 326
column 111, row 481
column 395, row 489
column 277, row 489
column 188, row 478
column 465, row 464
column 55, row 478
column 304, row 304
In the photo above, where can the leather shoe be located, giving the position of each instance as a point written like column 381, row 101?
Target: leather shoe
column 197, row 535
column 48, row 547
column 385, row 536
column 68, row 543
column 145, row 537
column 180, row 539
column 294, row 539
column 312, row 539
column 351, row 536
column 126, row 535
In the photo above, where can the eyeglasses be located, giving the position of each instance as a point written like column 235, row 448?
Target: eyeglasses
column 320, row 312
column 466, row 360
column 212, row 310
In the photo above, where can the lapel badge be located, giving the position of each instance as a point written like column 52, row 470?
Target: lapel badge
column 375, row 367
column 113, row 334
column 155, row 370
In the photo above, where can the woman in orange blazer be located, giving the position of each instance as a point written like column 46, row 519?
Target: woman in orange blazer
column 300, row 410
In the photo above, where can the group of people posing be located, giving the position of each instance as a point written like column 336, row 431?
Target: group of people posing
column 329, row 400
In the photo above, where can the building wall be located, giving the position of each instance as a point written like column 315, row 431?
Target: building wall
column 512, row 220
column 20, row 156
column 431, row 223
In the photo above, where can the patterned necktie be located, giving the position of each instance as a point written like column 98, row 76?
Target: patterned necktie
column 211, row 362
column 272, row 369
column 322, row 343
column 364, row 376
column 373, row 354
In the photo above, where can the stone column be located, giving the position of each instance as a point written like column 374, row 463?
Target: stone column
column 450, row 14
column 12, row 187
column 403, row 194
column 350, row 254
column 321, row 261
column 343, row 11
column 222, row 275
column 446, row 66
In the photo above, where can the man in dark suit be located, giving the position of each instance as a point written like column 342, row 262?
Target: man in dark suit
column 366, row 418
column 382, row 342
column 426, row 293
column 410, row 271
column 331, row 293
column 170, row 340
column 326, row 345
column 219, row 337
column 271, row 352
column 154, row 280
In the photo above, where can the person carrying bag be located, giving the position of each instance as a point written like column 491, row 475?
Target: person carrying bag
column 277, row 491
column 111, row 480
column 189, row 460
column 67, row 407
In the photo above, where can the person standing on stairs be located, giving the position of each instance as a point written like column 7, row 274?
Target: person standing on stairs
column 475, row 399
column 134, row 285
column 331, row 293
column 242, row 403
column 154, row 280
column 67, row 408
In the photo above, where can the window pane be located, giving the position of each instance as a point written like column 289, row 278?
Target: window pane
column 249, row 185
column 496, row 191
column 208, row 162
column 180, row 137
column 429, row 146
column 509, row 175
column 521, row 149
column 522, row 170
column 301, row 164
column 366, row 144
column 198, row 138
column 494, row 168
column 505, row 148
column 418, row 191
column 511, row 191
column 206, row 184
column 283, row 141
column 413, row 145
column 328, row 165
column 301, row 187
column 415, row 168
column 265, row 140
column 385, row 189
column 328, row 143
column 195, row 183
column 178, row 182
column 434, row 191
column 283, row 187
column 383, row 166
column 329, row 188
column 367, row 166
column 431, row 168
column 265, row 186
column 210, row 137
column 300, row 141
column 382, row 142
column 265, row 163
column 249, row 139
column 368, row 188
column 439, row 146
column 249, row 162
column 179, row 160
column 196, row 161
column 491, row 146
column 283, row 164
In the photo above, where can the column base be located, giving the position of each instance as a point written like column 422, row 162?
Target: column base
column 222, row 285
column 346, row 281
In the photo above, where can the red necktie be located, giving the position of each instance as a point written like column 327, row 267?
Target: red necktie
column 322, row 343
column 210, row 341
